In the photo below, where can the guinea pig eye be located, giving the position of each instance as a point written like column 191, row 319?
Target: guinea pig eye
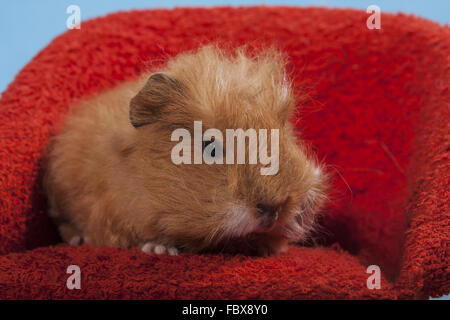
column 205, row 143
column 212, row 149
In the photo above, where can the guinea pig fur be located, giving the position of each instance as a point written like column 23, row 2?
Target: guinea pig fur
column 110, row 179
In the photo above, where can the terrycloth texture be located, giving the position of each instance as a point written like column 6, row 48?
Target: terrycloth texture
column 376, row 111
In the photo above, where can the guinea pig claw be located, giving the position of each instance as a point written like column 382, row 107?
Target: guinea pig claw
column 150, row 248
column 76, row 241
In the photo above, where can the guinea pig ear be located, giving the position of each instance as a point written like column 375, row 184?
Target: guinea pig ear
column 151, row 102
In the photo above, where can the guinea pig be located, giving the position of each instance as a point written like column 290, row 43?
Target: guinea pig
column 111, row 179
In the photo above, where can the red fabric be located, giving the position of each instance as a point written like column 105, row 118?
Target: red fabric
column 377, row 113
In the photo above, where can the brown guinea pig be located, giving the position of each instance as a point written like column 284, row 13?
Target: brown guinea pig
column 112, row 180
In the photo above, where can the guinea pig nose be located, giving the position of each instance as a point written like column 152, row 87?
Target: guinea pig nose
column 267, row 210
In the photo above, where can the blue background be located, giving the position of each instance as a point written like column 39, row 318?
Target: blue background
column 27, row 26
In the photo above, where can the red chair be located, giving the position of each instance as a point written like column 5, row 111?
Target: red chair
column 376, row 109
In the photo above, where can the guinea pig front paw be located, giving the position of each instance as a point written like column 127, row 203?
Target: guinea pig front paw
column 151, row 247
